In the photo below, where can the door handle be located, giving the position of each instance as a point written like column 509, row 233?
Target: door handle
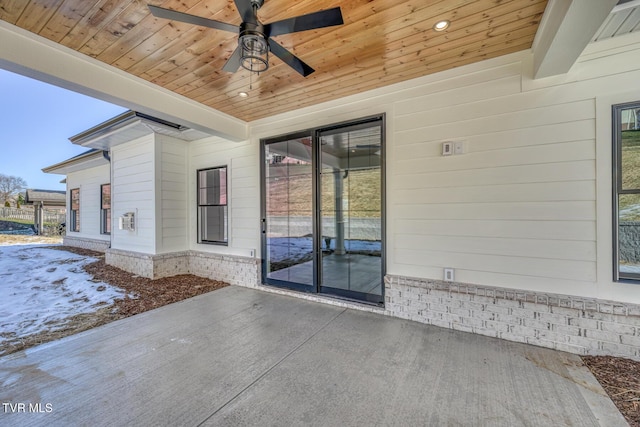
column 264, row 225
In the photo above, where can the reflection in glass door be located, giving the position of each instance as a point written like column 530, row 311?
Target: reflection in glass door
column 626, row 189
column 351, row 221
column 288, row 182
column 322, row 211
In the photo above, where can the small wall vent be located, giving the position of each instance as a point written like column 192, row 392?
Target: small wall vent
column 127, row 221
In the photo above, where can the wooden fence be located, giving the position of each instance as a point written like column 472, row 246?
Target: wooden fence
column 13, row 213
column 27, row 214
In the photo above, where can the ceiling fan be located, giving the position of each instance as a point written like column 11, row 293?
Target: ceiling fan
column 254, row 38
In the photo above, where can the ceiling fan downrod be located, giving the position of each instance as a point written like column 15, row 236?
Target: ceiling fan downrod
column 254, row 55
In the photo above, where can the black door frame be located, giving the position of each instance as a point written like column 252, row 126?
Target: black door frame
column 314, row 134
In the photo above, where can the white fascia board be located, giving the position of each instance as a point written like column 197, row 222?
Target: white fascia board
column 566, row 28
column 83, row 161
column 34, row 56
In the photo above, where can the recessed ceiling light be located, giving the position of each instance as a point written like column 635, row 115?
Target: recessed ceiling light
column 243, row 94
column 441, row 25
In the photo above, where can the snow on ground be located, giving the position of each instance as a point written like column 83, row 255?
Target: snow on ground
column 299, row 248
column 630, row 268
column 39, row 287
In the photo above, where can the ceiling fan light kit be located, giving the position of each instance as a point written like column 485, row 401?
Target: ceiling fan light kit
column 254, row 49
column 254, row 38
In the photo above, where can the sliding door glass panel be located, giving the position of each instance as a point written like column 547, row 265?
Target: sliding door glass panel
column 289, row 211
column 351, row 203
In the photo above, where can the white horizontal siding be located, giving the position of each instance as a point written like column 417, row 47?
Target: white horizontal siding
column 520, row 192
column 459, row 127
column 542, row 154
column 133, row 190
column 581, row 270
column 496, row 86
column 243, row 197
column 172, row 210
column 579, row 130
column 89, row 182
column 519, row 203
column 533, row 248
column 525, row 174
column 530, row 211
column 523, row 229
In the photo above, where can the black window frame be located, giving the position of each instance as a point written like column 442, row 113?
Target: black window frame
column 74, row 214
column 202, row 205
column 105, row 214
column 618, row 190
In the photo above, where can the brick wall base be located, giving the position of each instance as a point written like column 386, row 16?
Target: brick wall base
column 579, row 325
column 132, row 262
column 84, row 243
column 235, row 270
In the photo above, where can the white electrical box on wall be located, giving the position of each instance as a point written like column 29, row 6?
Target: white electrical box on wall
column 450, row 148
column 458, row 147
column 447, row 148
column 449, row 275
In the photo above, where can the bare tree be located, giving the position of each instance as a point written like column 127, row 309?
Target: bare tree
column 10, row 185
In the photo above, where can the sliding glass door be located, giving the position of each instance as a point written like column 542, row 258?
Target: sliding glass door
column 288, row 247
column 323, row 210
column 351, row 220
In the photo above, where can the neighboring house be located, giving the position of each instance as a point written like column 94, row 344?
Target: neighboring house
column 478, row 198
column 50, row 199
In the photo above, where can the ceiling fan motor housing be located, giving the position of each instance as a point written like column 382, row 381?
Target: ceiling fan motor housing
column 254, row 29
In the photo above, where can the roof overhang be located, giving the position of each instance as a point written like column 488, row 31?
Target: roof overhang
column 87, row 160
column 131, row 125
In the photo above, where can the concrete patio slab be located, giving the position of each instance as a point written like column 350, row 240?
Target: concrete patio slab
column 238, row 356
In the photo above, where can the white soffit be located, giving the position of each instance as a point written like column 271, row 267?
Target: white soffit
column 623, row 19
column 129, row 126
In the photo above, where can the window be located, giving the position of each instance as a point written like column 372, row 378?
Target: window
column 212, row 205
column 626, row 191
column 105, row 209
column 75, row 209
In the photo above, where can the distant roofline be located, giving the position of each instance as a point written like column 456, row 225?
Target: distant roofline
column 89, row 154
column 47, row 191
column 47, row 197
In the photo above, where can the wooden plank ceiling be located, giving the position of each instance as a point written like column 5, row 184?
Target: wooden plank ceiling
column 381, row 42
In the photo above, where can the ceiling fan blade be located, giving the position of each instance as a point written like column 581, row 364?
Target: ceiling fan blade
column 174, row 15
column 233, row 63
column 290, row 59
column 324, row 18
column 246, row 10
